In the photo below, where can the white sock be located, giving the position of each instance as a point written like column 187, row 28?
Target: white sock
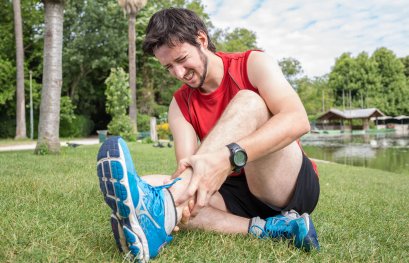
column 170, row 212
column 256, row 226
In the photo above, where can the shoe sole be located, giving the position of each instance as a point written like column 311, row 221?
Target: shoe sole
column 115, row 186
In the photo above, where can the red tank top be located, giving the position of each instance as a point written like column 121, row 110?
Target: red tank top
column 203, row 110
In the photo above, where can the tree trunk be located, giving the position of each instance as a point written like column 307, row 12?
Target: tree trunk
column 48, row 127
column 20, row 104
column 132, row 71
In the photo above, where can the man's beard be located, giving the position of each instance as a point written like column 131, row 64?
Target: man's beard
column 204, row 60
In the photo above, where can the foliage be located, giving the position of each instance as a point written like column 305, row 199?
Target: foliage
column 79, row 126
column 94, row 42
column 291, row 69
column 237, row 40
column 163, row 130
column 144, row 122
column 405, row 62
column 117, row 92
column 32, row 14
column 393, row 82
column 7, row 81
column 121, row 125
column 163, row 117
column 376, row 81
column 7, row 127
column 42, row 149
column 66, row 109
column 315, row 95
column 117, row 102
column 147, row 140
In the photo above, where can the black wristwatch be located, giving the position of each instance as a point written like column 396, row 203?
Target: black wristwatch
column 238, row 156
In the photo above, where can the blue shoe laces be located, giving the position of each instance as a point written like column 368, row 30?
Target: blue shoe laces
column 278, row 227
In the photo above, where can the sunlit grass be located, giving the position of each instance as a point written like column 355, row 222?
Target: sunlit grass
column 52, row 211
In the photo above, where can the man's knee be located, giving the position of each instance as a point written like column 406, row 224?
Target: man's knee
column 251, row 106
column 249, row 98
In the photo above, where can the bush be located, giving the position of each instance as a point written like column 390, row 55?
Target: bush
column 121, row 125
column 144, row 122
column 160, row 109
column 79, row 126
column 163, row 131
column 7, row 127
column 147, row 140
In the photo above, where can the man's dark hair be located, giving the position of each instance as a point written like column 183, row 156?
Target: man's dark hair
column 174, row 24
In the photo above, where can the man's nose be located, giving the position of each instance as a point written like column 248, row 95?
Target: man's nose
column 179, row 71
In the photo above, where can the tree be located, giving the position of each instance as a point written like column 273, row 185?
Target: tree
column 94, row 42
column 48, row 129
column 118, row 99
column 240, row 39
column 21, row 111
column 343, row 80
column 368, row 82
column 132, row 7
column 405, row 62
column 394, row 90
column 291, row 69
column 315, row 95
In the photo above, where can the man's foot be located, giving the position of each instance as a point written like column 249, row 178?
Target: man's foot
column 140, row 211
column 288, row 225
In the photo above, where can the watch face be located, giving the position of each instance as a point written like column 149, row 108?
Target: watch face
column 240, row 158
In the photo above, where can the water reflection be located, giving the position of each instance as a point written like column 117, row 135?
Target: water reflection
column 381, row 151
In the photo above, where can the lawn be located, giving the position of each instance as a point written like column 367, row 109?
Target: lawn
column 52, row 211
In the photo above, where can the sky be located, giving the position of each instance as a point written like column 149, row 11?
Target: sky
column 317, row 32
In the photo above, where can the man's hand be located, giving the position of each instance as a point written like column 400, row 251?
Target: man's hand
column 209, row 172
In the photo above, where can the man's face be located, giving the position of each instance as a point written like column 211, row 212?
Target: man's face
column 185, row 62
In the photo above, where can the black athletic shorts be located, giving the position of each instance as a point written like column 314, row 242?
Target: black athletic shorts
column 240, row 201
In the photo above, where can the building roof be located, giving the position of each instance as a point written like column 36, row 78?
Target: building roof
column 335, row 114
column 401, row 117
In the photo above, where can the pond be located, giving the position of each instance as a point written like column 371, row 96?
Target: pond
column 388, row 152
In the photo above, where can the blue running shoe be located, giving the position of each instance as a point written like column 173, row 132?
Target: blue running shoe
column 306, row 237
column 289, row 225
column 140, row 210
column 119, row 234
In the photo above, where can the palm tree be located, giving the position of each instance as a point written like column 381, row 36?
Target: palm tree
column 48, row 127
column 20, row 105
column 132, row 7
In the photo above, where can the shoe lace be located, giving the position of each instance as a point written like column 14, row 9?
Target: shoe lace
column 156, row 191
column 278, row 227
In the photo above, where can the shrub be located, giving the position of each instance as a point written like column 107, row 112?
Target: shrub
column 121, row 125
column 117, row 102
column 7, row 127
column 144, row 122
column 163, row 131
column 79, row 126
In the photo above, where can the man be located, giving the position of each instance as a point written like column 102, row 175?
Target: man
column 247, row 175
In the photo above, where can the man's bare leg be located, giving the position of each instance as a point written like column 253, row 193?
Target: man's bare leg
column 215, row 217
column 271, row 178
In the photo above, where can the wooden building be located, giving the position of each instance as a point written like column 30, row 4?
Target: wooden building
column 335, row 119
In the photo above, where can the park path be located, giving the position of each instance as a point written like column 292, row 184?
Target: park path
column 32, row 145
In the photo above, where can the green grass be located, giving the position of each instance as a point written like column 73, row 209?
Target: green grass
column 52, row 211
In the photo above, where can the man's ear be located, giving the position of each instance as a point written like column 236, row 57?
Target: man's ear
column 202, row 39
